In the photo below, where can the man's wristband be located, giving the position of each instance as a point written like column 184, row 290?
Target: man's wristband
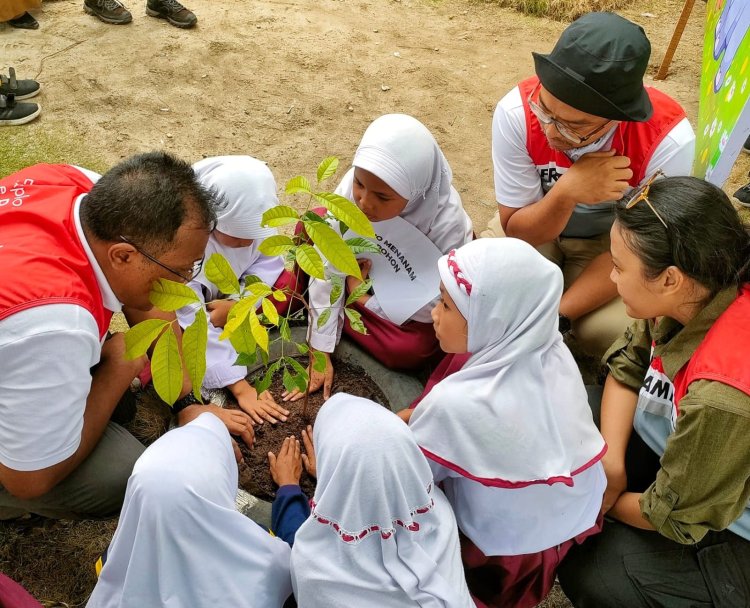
column 184, row 402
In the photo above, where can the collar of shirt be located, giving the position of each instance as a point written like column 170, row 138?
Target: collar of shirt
column 676, row 343
column 108, row 296
column 604, row 143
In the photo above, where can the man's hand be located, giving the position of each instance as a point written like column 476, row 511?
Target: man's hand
column 317, row 379
column 238, row 423
column 218, row 311
column 353, row 282
column 308, row 458
column 596, row 177
column 286, row 468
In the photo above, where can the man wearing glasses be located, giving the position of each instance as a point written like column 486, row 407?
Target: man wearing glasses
column 568, row 142
column 74, row 248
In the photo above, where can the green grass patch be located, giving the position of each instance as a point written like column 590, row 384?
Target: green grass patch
column 562, row 10
column 30, row 144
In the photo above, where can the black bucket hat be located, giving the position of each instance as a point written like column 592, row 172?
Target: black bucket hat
column 597, row 67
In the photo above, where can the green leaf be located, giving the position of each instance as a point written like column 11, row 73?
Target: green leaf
column 242, row 339
column 360, row 245
column 260, row 333
column 246, row 360
column 249, row 279
column 270, row 311
column 327, row 167
column 284, row 331
column 309, row 261
column 313, row 217
column 194, row 342
column 297, row 184
column 343, row 228
column 262, row 385
column 337, row 288
column 237, row 315
column 335, row 249
column 220, row 273
column 319, row 361
column 345, row 211
column 359, row 291
column 303, row 348
column 166, row 368
column 289, row 383
column 139, row 338
column 279, row 295
column 275, row 245
column 355, row 319
column 298, row 368
column 278, row 216
column 170, row 296
column 300, row 382
column 323, row 318
column 260, row 290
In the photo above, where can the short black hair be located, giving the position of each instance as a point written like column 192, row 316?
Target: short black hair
column 704, row 237
column 146, row 198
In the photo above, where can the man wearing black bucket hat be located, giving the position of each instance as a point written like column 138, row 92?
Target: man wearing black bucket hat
column 568, row 142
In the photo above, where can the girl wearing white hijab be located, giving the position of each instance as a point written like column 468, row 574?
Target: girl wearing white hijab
column 381, row 534
column 509, row 434
column 180, row 542
column 247, row 189
column 398, row 171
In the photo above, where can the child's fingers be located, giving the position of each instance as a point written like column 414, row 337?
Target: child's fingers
column 272, row 460
column 296, row 449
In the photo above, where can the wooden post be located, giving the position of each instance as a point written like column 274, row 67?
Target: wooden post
column 679, row 28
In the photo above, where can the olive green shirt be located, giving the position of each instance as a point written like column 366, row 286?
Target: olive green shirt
column 704, row 480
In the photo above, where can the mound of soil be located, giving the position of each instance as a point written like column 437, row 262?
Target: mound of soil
column 255, row 476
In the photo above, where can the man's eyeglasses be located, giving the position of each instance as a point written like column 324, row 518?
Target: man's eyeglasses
column 567, row 132
column 187, row 277
column 641, row 194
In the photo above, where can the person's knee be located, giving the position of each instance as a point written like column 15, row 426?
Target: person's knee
column 597, row 331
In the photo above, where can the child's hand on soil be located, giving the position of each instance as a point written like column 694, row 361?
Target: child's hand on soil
column 353, row 282
column 258, row 408
column 317, row 379
column 405, row 414
column 286, row 468
column 308, row 458
column 238, row 423
column 218, row 311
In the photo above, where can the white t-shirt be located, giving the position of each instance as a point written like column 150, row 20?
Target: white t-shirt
column 518, row 183
column 46, row 353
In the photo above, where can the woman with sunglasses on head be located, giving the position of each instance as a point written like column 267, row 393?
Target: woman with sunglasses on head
column 678, row 487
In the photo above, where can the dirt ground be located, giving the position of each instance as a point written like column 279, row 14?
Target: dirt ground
column 293, row 81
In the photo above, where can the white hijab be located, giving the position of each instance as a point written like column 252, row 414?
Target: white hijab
column 180, row 541
column 402, row 152
column 380, row 533
column 516, row 414
column 247, row 190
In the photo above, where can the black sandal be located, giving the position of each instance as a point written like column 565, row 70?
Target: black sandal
column 24, row 22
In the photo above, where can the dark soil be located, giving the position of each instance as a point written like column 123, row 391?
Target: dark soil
column 255, row 476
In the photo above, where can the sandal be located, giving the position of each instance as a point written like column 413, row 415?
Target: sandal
column 21, row 89
column 24, row 22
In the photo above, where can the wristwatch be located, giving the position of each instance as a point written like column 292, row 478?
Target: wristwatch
column 186, row 401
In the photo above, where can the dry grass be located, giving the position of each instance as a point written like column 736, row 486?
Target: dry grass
column 562, row 10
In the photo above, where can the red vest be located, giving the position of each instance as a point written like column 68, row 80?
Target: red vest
column 636, row 140
column 42, row 260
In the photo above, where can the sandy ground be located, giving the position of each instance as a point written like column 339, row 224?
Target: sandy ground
column 293, row 81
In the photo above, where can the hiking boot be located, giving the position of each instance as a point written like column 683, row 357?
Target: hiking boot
column 743, row 195
column 21, row 89
column 109, row 11
column 24, row 22
column 13, row 113
column 172, row 11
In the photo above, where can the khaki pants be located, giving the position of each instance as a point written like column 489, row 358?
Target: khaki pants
column 94, row 490
column 596, row 331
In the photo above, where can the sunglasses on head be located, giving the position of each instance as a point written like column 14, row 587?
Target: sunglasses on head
column 641, row 194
